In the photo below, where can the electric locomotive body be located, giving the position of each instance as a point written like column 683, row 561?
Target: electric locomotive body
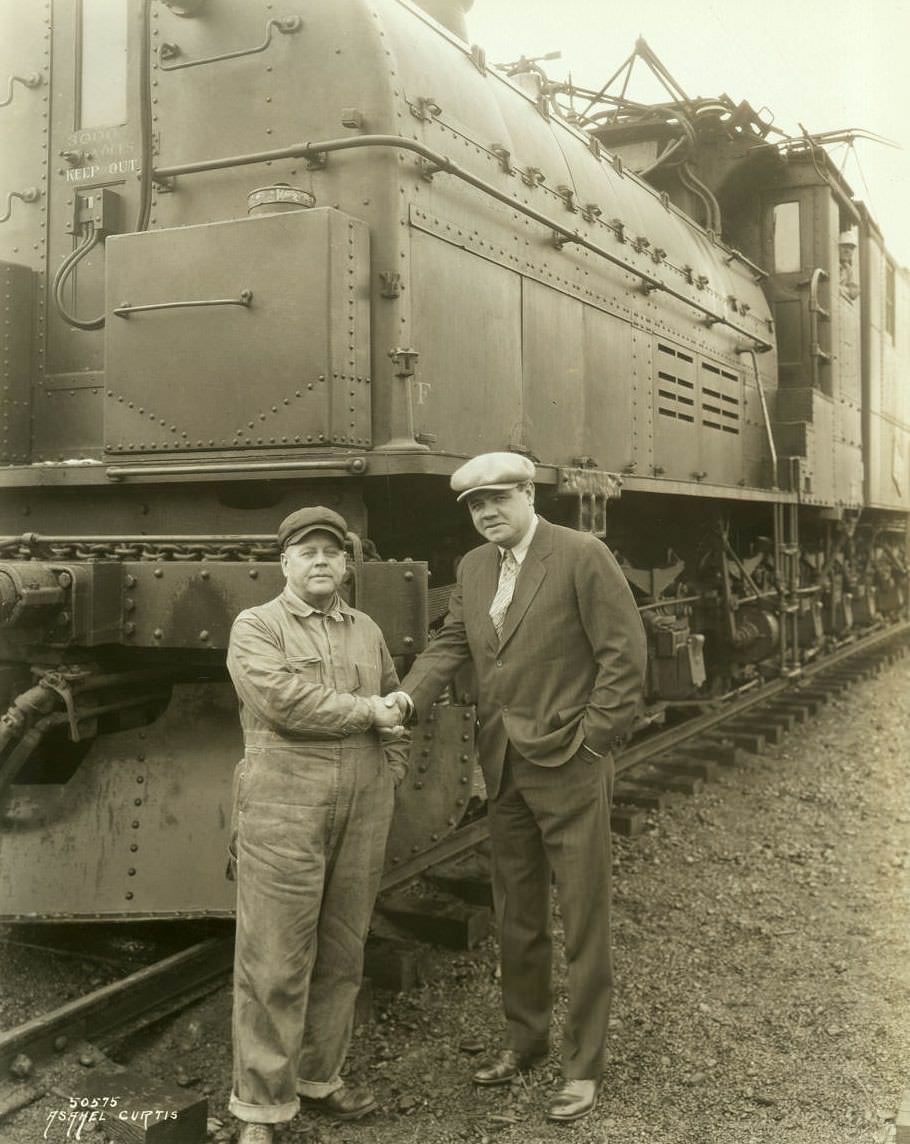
column 256, row 258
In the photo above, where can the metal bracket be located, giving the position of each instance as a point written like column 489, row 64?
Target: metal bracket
column 504, row 155
column 532, row 176
column 592, row 488
column 391, row 283
column 559, row 239
column 352, row 117
column 425, row 108
column 567, row 194
column 405, row 361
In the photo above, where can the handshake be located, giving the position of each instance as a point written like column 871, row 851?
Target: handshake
column 390, row 713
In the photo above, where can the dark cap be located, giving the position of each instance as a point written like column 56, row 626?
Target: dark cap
column 306, row 520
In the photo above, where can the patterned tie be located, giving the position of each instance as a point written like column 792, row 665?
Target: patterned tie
column 508, row 573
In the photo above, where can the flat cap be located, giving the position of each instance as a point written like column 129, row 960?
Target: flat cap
column 491, row 471
column 306, row 520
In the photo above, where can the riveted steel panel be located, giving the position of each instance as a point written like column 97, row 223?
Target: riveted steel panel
column 276, row 358
column 468, row 393
column 886, row 394
column 395, row 595
column 192, row 605
column 68, row 411
column 16, row 291
column 140, row 829
column 24, row 77
column 434, row 795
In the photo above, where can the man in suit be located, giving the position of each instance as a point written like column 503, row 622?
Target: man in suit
column 551, row 626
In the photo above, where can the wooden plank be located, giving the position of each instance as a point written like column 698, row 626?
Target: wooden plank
column 745, row 738
column 397, row 966
column 442, row 921
column 629, row 793
column 723, row 751
column 136, row 1108
column 627, row 821
column 679, row 764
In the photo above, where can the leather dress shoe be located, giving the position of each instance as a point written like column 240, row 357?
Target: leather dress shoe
column 349, row 1102
column 507, row 1066
column 256, row 1133
column 575, row 1099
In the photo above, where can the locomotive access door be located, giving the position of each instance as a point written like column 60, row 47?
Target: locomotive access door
column 251, row 334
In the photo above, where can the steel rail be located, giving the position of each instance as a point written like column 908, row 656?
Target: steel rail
column 466, row 838
column 140, row 998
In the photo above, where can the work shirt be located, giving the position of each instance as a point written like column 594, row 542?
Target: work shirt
column 302, row 675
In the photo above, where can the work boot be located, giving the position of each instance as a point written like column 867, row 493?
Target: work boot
column 349, row 1102
column 256, row 1133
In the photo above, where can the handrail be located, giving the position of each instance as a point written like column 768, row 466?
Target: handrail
column 763, row 401
column 125, row 309
column 354, row 465
column 816, row 310
column 168, row 51
column 442, row 164
column 30, row 79
column 28, row 195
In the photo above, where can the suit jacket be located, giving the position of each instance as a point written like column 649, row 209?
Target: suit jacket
column 569, row 668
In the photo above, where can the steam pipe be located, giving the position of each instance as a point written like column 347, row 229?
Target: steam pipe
column 442, row 163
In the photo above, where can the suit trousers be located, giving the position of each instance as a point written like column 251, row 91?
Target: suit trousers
column 312, row 825
column 543, row 820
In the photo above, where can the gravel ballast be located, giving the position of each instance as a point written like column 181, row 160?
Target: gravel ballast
column 763, row 975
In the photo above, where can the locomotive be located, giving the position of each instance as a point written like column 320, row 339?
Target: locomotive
column 258, row 254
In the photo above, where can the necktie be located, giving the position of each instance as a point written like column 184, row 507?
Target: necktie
column 508, row 573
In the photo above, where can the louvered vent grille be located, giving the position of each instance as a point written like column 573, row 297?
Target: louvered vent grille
column 675, row 390
column 720, row 403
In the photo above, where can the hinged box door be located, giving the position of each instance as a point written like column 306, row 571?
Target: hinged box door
column 276, row 358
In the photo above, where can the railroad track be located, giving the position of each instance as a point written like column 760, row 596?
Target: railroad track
column 678, row 759
column 103, row 1016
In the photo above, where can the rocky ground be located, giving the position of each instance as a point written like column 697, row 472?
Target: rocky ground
column 763, row 962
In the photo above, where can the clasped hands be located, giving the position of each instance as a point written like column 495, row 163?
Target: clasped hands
column 389, row 714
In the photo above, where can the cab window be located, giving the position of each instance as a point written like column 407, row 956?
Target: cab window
column 786, row 238
column 101, row 98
